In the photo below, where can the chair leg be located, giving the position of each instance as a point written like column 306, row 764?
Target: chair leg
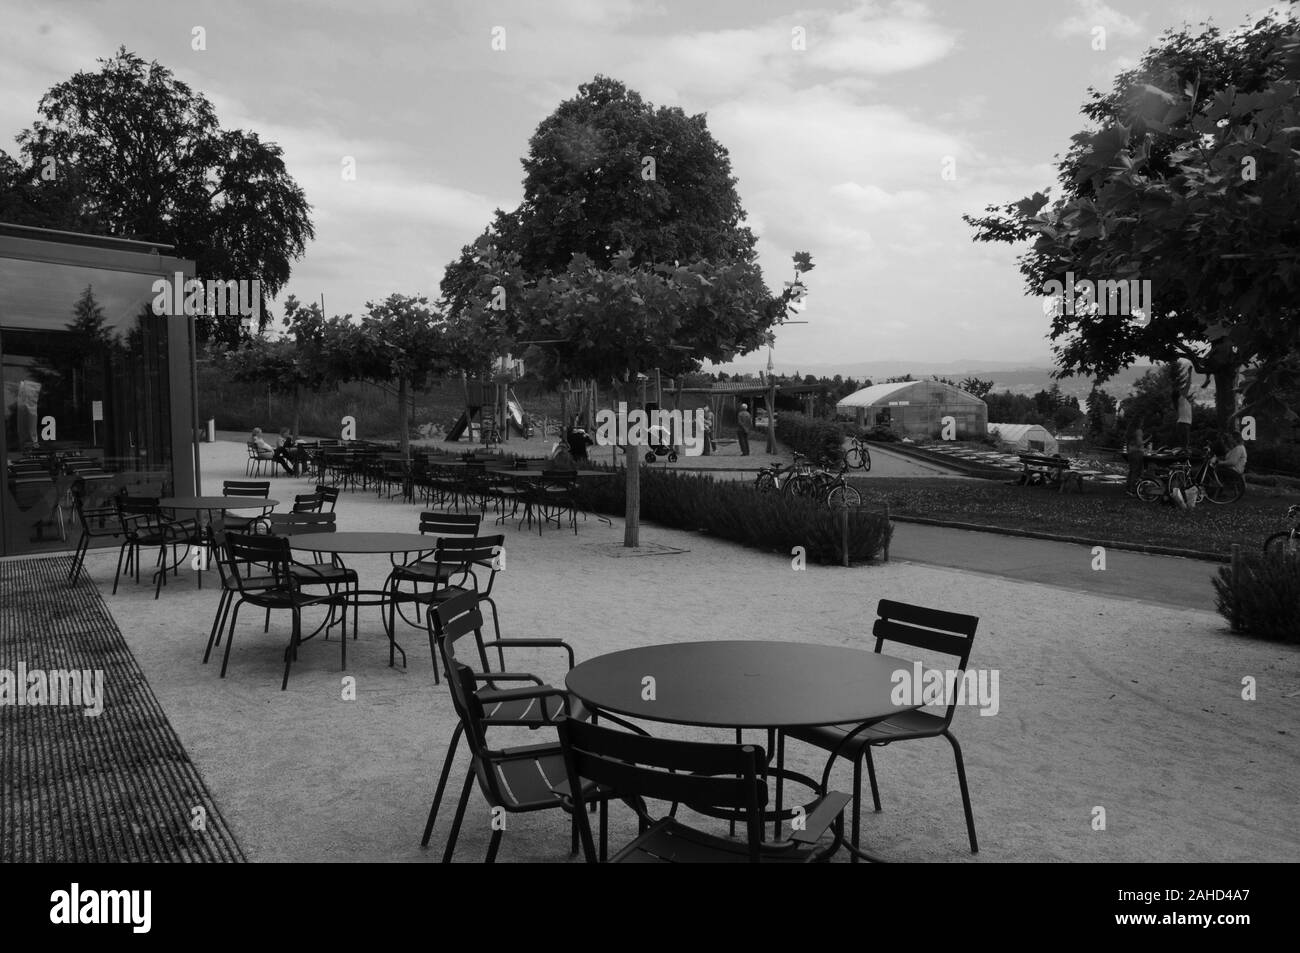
column 780, row 783
column 871, row 773
column 857, row 804
column 223, row 604
column 442, row 784
column 460, row 816
column 230, row 638
column 291, row 653
column 493, row 844
column 965, row 792
column 118, row 575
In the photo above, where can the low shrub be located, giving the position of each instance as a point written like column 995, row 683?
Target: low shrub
column 736, row 511
column 1263, row 597
column 819, row 440
column 877, row 433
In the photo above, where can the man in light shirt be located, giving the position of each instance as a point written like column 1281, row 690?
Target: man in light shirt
column 1232, row 465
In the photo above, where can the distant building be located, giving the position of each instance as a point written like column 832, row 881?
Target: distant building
column 917, row 409
column 1027, row 438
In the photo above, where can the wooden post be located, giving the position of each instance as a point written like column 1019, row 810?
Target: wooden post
column 844, row 529
column 886, row 532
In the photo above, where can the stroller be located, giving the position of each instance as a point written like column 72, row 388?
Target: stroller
column 659, row 447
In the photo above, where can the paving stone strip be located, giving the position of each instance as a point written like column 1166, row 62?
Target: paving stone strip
column 81, row 787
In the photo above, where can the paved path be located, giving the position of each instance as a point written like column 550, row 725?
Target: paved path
column 1167, row 580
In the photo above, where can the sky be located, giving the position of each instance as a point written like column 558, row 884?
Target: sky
column 864, row 148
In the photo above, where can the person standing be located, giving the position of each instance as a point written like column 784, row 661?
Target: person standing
column 1183, row 400
column 744, row 423
column 1136, row 451
column 708, row 431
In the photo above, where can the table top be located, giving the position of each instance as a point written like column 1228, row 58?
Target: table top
column 743, row 684
column 558, row 474
column 216, row 502
column 361, row 542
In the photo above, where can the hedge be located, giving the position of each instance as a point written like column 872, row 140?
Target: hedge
column 819, row 440
column 1263, row 597
column 735, row 511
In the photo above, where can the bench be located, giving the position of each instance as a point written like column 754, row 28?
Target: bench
column 1049, row 471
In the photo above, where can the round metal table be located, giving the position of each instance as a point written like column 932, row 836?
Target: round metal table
column 740, row 685
column 336, row 544
column 216, row 502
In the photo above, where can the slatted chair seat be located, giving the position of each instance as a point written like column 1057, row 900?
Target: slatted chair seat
column 904, row 726
column 529, row 777
column 672, row 842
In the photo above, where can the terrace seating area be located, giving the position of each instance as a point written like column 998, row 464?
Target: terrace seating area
column 551, row 633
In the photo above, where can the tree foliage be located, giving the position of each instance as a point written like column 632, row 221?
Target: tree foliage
column 130, row 151
column 1191, row 182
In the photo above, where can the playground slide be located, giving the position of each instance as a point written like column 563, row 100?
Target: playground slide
column 515, row 414
column 455, row 433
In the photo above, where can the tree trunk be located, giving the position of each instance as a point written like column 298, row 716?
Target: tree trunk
column 403, row 416
column 1225, row 397
column 632, row 511
column 771, row 415
column 297, row 410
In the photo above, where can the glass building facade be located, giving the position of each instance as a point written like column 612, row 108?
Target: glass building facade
column 98, row 389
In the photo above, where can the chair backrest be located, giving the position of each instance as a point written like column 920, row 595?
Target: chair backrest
column 252, row 488
column 329, row 495
column 691, row 772
column 450, row 621
column 259, row 556
column 450, row 524
column 285, row 523
column 459, row 554
column 932, row 630
column 307, row 503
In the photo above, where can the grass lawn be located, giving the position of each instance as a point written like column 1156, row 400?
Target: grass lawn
column 1102, row 513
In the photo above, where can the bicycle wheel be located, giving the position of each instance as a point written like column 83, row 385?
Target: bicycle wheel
column 1219, row 491
column 765, row 482
column 799, row 485
column 857, row 458
column 1150, row 491
column 843, row 495
column 866, row 458
column 1282, row 544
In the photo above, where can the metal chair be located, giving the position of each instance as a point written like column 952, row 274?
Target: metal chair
column 254, row 489
column 531, row 707
column 719, row 777
column 931, row 630
column 252, row 559
column 96, row 522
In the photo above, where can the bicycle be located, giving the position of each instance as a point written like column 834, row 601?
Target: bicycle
column 1287, row 542
column 1181, row 476
column 858, row 456
column 824, row 486
column 774, row 476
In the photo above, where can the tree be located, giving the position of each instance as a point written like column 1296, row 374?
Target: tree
column 400, row 339
column 627, row 254
column 976, row 387
column 130, row 151
column 1192, row 182
column 1101, row 416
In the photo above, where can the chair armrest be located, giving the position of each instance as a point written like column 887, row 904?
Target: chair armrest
column 824, row 813
column 507, row 677
column 534, row 643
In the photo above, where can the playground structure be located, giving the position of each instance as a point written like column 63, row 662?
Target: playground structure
column 481, row 420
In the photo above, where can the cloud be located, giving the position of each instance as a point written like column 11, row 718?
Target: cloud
column 1096, row 13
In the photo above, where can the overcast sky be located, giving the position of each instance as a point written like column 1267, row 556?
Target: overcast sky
column 839, row 148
